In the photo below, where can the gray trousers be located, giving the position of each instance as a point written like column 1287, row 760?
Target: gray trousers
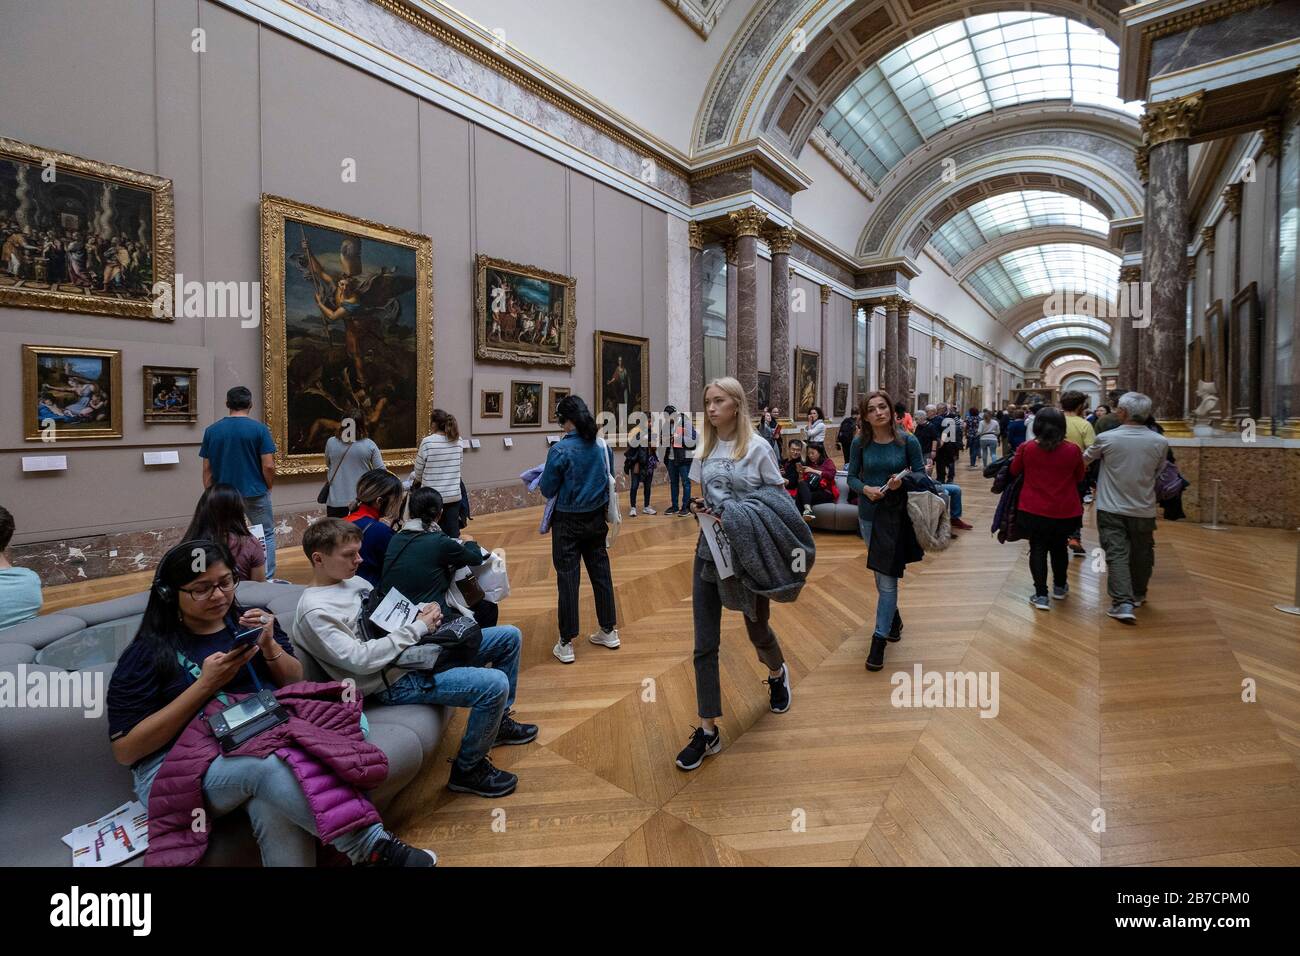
column 1130, row 547
column 707, row 606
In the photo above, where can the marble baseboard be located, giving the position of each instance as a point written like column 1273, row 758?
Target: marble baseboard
column 85, row 558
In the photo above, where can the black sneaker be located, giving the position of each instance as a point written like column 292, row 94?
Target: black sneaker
column 391, row 851
column 513, row 733
column 482, row 780
column 701, row 745
column 896, row 629
column 778, row 691
column 876, row 657
column 671, row 511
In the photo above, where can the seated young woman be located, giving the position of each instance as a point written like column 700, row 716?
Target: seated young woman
column 183, row 656
column 377, row 509
column 220, row 517
column 816, row 484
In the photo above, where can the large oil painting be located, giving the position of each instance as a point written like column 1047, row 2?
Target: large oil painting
column 807, row 379
column 80, row 235
column 523, row 314
column 71, row 394
column 622, row 377
column 347, row 331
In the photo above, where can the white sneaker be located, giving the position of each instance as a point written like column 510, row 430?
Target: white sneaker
column 605, row 639
column 632, row 513
column 647, row 510
column 563, row 652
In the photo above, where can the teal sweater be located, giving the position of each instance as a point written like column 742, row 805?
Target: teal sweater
column 875, row 464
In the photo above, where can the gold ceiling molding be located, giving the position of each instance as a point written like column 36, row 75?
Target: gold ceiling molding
column 454, row 40
column 1173, row 119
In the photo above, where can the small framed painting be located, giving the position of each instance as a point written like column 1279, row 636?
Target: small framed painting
column 764, row 391
column 841, row 399
column 71, row 393
column 807, row 374
column 554, row 395
column 525, row 404
column 491, row 403
column 170, row 394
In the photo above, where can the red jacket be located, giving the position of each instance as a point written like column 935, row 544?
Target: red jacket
column 1051, row 487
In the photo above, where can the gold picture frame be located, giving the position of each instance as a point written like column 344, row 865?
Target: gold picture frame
column 554, row 395
column 807, row 381
column 566, row 332
column 154, row 415
column 34, row 427
column 27, row 291
column 417, row 386
column 634, row 350
column 525, row 404
column 487, row 409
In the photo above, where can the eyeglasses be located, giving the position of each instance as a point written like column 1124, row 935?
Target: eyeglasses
column 201, row 592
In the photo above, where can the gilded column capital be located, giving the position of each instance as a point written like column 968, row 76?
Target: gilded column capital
column 1232, row 199
column 904, row 308
column 729, row 249
column 1142, row 160
column 1130, row 273
column 826, row 293
column 1191, row 267
column 1173, row 119
column 1273, row 137
column 748, row 221
column 696, row 235
column 779, row 242
column 1293, row 100
column 891, row 302
column 1207, row 238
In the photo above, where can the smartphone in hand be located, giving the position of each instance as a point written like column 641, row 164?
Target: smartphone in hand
column 247, row 638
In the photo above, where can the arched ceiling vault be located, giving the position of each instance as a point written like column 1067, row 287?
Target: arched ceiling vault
column 1103, row 354
column 792, row 58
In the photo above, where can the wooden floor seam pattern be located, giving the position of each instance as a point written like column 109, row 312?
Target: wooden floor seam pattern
column 1111, row 745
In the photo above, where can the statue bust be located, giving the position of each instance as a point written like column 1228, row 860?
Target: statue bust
column 1207, row 410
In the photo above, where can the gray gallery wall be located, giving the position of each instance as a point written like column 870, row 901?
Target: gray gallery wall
column 117, row 81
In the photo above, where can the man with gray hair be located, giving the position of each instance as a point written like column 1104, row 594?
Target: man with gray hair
column 1132, row 456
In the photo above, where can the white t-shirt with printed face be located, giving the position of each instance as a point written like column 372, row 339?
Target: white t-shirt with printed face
column 723, row 477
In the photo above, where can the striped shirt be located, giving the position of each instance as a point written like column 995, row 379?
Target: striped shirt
column 437, row 465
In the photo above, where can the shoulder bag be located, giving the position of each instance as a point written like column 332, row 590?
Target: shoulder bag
column 324, row 495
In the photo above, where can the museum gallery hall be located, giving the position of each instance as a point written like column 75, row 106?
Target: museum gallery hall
column 650, row 433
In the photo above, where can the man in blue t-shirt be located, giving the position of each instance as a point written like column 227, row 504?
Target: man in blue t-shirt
column 239, row 451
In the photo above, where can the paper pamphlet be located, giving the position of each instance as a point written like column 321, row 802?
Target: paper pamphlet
column 719, row 546
column 395, row 610
column 113, row 838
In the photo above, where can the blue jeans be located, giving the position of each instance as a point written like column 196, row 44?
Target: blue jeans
column 679, row 474
column 258, row 510
column 267, row 789
column 954, row 499
column 488, row 692
column 988, row 451
column 886, row 588
column 973, row 442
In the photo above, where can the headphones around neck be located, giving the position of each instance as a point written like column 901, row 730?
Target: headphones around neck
column 163, row 591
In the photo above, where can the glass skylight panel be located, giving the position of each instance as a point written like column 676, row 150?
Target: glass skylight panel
column 1044, row 269
column 1073, row 321
column 1077, row 357
column 1006, row 213
column 963, row 69
column 1067, row 332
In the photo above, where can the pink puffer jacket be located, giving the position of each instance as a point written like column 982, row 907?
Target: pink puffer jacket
column 321, row 742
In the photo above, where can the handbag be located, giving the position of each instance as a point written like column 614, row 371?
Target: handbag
column 613, row 516
column 324, row 494
column 492, row 578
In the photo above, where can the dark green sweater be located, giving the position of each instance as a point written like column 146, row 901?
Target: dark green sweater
column 874, row 463
column 420, row 564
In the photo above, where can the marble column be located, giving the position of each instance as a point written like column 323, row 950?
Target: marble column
column 906, row 387
column 779, row 361
column 1167, row 127
column 890, row 384
column 825, row 389
column 729, row 248
column 1128, row 337
column 696, row 239
column 748, row 223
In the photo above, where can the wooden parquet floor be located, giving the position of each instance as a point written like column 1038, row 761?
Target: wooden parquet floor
column 1111, row 745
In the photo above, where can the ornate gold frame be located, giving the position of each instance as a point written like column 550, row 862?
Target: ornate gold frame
column 599, row 394
column 541, row 400
column 794, row 392
column 154, row 417
column 164, row 265
column 483, row 412
column 499, row 353
column 551, row 401
column 274, row 211
column 31, row 424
